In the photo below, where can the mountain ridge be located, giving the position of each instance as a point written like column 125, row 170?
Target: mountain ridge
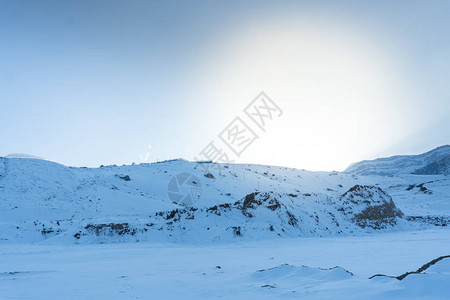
column 402, row 164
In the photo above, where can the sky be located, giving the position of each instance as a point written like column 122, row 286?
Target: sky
column 86, row 83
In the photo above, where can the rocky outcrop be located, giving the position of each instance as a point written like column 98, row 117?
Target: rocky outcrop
column 369, row 206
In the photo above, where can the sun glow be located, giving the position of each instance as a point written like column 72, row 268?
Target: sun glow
column 333, row 83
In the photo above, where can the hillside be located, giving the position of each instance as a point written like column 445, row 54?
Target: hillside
column 42, row 201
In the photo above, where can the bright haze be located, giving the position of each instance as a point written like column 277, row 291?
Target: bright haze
column 86, row 83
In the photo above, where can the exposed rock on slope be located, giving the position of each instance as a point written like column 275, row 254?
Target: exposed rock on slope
column 255, row 214
column 369, row 206
column 265, row 214
column 2, row 167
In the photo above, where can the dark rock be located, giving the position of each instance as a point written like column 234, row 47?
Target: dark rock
column 209, row 175
column 125, row 177
column 420, row 187
column 236, row 230
column 111, row 229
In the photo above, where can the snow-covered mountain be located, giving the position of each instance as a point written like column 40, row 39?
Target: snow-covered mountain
column 268, row 232
column 436, row 161
column 45, row 201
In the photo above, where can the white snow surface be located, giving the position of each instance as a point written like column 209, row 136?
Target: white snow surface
column 295, row 268
column 256, row 232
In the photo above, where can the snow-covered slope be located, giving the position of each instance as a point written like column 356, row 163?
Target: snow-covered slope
column 436, row 161
column 441, row 166
column 46, row 201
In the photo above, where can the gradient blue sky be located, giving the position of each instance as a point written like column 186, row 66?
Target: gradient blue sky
column 86, row 83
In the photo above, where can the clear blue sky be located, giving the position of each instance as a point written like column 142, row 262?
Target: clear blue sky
column 86, row 83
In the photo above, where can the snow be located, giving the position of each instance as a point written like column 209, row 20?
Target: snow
column 256, row 232
column 294, row 268
column 23, row 155
column 42, row 201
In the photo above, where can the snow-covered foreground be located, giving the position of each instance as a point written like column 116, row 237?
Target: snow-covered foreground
column 269, row 269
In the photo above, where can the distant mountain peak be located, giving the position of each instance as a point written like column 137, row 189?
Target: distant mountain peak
column 436, row 161
column 23, row 155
